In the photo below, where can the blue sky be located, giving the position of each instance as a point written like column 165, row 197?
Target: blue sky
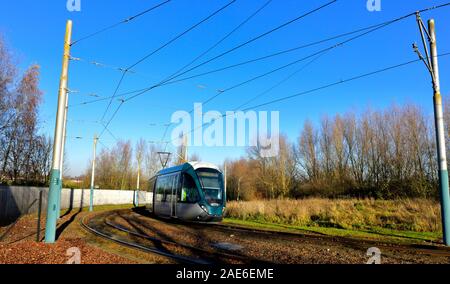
column 35, row 31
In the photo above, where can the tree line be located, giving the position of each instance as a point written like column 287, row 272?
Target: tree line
column 387, row 154
column 24, row 153
column 117, row 167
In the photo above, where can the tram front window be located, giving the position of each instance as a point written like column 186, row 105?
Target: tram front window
column 212, row 185
column 189, row 193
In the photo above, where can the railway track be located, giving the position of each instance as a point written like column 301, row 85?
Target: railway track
column 135, row 230
column 304, row 233
column 99, row 230
column 106, row 227
column 426, row 248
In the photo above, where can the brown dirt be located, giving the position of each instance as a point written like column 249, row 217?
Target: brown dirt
column 30, row 252
column 19, row 245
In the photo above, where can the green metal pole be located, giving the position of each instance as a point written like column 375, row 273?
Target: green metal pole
column 55, row 181
column 440, row 137
column 91, row 195
column 58, row 202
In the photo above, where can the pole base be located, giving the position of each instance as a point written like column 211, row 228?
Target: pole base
column 445, row 205
column 50, row 226
column 91, row 200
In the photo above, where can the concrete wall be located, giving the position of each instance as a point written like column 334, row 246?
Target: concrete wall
column 15, row 200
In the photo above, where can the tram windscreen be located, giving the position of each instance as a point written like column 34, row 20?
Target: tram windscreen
column 212, row 185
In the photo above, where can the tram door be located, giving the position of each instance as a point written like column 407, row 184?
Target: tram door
column 166, row 192
column 173, row 198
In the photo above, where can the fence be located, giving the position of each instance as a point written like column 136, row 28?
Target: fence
column 15, row 200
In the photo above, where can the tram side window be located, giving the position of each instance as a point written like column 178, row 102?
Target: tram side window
column 189, row 192
column 161, row 184
column 170, row 188
column 151, row 184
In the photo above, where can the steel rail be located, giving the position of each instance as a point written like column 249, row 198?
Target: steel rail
column 212, row 253
column 180, row 258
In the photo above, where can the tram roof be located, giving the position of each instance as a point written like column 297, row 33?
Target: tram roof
column 194, row 165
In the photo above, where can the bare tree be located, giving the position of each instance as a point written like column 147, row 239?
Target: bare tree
column 308, row 153
column 141, row 149
column 152, row 162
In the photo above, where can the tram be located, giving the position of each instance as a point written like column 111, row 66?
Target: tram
column 192, row 191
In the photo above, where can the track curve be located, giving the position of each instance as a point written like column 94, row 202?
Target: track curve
column 104, row 226
column 198, row 243
column 92, row 228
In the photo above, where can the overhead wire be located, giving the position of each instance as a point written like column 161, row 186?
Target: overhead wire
column 162, row 47
column 176, row 75
column 110, row 66
column 239, row 26
column 340, row 44
column 284, row 51
column 370, row 28
column 280, row 82
column 367, row 31
column 261, row 36
column 223, row 54
column 341, row 82
column 124, row 21
column 376, row 27
column 361, row 76
column 110, row 133
column 107, row 98
column 165, row 82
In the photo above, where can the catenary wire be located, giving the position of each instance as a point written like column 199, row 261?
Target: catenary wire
column 317, row 89
column 162, row 47
column 127, row 20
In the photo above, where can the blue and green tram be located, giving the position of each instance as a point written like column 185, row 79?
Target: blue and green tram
column 192, row 191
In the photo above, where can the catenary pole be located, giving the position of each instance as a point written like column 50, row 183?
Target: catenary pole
column 136, row 195
column 138, row 176
column 63, row 146
column 91, row 195
column 440, row 135
column 225, row 181
column 55, row 181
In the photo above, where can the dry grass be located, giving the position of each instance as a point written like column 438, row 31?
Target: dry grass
column 419, row 215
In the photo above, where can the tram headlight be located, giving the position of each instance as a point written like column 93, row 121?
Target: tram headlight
column 204, row 208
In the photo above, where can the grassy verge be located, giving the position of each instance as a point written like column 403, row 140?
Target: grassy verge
column 410, row 220
column 98, row 208
column 379, row 234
